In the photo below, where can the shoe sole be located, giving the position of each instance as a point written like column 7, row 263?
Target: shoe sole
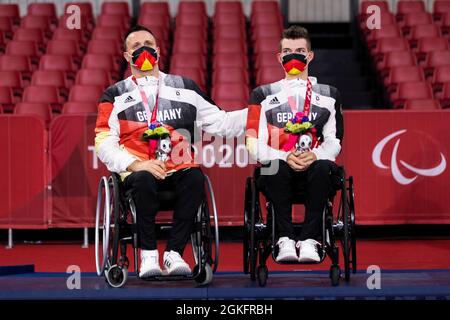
column 180, row 271
column 150, row 273
column 308, row 260
column 287, row 259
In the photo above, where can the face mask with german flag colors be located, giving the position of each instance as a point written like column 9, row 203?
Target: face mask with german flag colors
column 294, row 63
column 144, row 58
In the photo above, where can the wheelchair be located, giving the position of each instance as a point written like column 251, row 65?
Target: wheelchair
column 115, row 229
column 260, row 235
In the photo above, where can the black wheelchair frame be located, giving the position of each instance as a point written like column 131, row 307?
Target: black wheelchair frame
column 116, row 222
column 260, row 235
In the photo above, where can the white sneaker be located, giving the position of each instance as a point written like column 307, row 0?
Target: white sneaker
column 286, row 250
column 175, row 265
column 149, row 264
column 308, row 251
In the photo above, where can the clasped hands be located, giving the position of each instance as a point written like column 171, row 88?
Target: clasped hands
column 300, row 161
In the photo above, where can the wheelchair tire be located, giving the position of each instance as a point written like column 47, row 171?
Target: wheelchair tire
column 116, row 276
column 246, row 231
column 262, row 274
column 335, row 274
column 205, row 276
column 253, row 248
column 352, row 225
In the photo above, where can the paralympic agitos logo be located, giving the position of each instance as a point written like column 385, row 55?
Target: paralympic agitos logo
column 394, row 165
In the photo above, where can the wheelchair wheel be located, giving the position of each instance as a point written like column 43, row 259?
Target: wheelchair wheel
column 348, row 239
column 116, row 276
column 262, row 274
column 247, row 212
column 253, row 245
column 335, row 274
column 214, row 261
column 107, row 223
column 205, row 276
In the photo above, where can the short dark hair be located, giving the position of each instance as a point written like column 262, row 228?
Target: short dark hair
column 136, row 28
column 296, row 32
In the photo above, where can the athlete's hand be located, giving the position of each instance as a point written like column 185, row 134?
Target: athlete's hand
column 156, row 167
column 301, row 161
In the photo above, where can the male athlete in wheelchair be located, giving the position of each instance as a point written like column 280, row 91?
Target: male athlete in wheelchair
column 145, row 130
column 295, row 130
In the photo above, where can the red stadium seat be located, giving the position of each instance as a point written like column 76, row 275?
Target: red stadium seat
column 230, row 91
column 56, row 62
column 9, row 10
column 267, row 45
column 55, row 78
column 194, row 32
column 230, row 32
column 389, row 45
column 83, row 93
column 6, row 26
column 193, row 61
column 410, row 91
column 156, row 8
column 154, row 20
column 42, row 110
column 23, row 48
column 113, row 21
column 230, row 75
column 416, row 19
column 445, row 99
column 192, row 7
column 63, row 47
column 436, row 59
column 422, row 104
column 115, row 8
column 99, row 61
column 428, row 45
column 47, row 10
column 35, row 35
column 11, row 78
column 264, row 6
column 94, row 77
column 440, row 7
column 390, row 31
column 36, row 22
column 67, row 34
column 425, row 31
column 6, row 98
column 191, row 19
column 107, row 33
column 269, row 75
column 110, row 47
column 266, row 59
column 229, row 20
column 409, row 6
column 403, row 74
column 192, row 73
column 441, row 75
column 266, row 31
column 445, row 26
column 190, row 46
column 228, row 60
column 228, row 7
column 42, row 94
column 264, row 18
column 229, row 46
column 79, row 107
column 16, row 63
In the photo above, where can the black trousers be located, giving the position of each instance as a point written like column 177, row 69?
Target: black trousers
column 188, row 186
column 281, row 188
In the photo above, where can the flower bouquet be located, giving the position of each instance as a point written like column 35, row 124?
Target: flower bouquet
column 302, row 134
column 159, row 140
